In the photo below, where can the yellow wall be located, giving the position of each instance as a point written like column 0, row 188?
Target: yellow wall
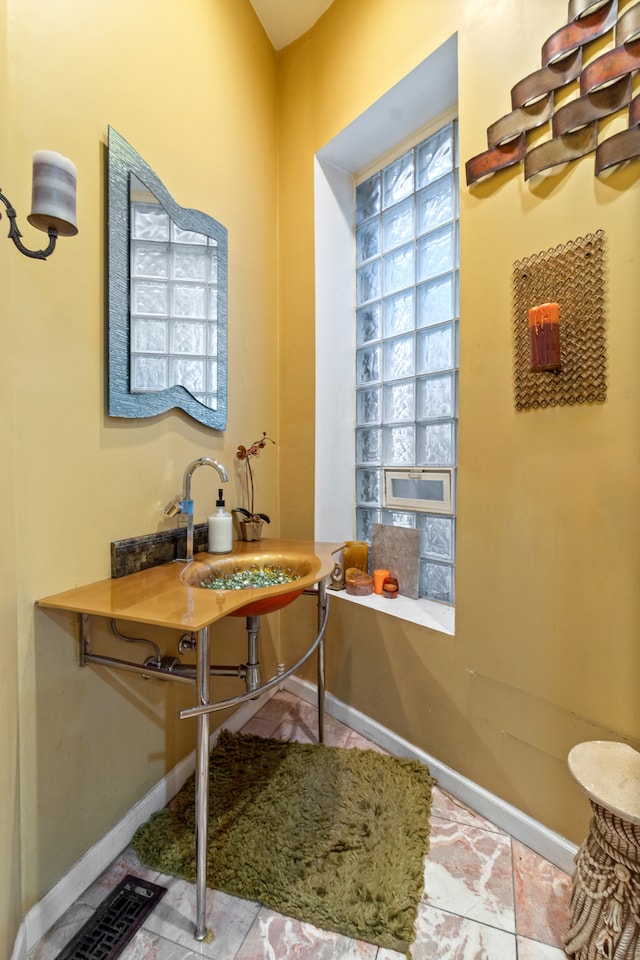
column 10, row 868
column 192, row 88
column 546, row 651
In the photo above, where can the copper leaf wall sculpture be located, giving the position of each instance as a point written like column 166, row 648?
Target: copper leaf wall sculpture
column 604, row 87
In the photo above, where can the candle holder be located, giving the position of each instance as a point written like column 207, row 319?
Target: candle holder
column 355, row 553
column 390, row 588
column 53, row 203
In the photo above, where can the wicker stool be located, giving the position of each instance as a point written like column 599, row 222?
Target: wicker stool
column 605, row 903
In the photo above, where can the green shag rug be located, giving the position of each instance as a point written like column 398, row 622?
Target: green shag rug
column 332, row 836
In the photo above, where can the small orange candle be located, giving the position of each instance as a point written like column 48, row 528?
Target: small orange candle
column 544, row 338
column 379, row 576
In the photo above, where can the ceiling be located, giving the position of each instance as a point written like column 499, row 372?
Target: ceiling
column 286, row 20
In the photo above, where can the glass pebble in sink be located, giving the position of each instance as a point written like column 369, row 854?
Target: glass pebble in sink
column 265, row 575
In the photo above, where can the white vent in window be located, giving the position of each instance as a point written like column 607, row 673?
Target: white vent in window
column 417, row 488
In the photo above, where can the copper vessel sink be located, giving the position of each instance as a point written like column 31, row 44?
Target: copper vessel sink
column 248, row 571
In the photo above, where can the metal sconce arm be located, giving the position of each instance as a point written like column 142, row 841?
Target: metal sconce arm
column 14, row 234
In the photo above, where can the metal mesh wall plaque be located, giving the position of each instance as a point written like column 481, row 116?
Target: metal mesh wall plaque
column 571, row 275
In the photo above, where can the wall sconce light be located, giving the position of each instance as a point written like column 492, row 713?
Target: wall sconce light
column 53, row 202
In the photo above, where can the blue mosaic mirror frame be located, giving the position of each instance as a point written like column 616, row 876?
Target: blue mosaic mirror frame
column 206, row 402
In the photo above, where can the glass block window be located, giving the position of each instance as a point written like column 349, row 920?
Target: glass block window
column 407, row 312
column 174, row 303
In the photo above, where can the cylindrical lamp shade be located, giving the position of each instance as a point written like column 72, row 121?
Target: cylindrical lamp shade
column 53, row 198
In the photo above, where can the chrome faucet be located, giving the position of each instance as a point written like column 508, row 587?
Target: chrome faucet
column 183, row 504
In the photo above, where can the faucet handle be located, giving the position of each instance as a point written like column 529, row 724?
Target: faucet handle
column 173, row 508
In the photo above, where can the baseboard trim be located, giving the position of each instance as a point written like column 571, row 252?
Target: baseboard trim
column 19, row 951
column 548, row 844
column 48, row 911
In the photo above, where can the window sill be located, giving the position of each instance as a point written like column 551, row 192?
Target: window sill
column 426, row 613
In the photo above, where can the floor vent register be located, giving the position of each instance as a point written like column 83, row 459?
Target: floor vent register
column 115, row 922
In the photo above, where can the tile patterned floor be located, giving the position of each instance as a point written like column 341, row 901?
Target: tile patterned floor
column 487, row 897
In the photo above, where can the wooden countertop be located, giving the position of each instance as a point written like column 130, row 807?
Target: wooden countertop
column 163, row 597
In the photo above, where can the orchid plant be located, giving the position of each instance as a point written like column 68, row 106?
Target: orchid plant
column 246, row 455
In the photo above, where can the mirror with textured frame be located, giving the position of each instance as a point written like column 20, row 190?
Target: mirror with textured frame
column 167, row 309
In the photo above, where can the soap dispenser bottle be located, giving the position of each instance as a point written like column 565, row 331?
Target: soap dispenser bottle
column 220, row 528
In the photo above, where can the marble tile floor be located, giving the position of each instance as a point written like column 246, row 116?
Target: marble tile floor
column 487, row 897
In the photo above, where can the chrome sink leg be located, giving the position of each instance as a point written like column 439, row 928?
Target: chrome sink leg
column 202, row 783
column 252, row 678
column 322, row 611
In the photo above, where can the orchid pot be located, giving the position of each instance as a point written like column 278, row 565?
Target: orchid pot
column 250, row 524
column 250, row 529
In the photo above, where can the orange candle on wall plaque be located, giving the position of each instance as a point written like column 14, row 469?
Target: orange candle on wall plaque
column 544, row 338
